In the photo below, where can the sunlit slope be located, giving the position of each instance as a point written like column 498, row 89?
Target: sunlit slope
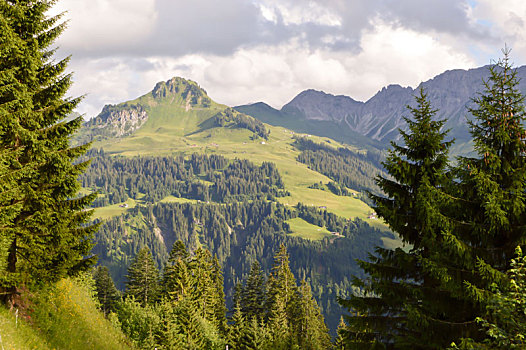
column 181, row 119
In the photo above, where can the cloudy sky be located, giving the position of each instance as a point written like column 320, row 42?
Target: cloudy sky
column 244, row 51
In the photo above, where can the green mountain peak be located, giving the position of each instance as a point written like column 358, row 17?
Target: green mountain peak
column 180, row 91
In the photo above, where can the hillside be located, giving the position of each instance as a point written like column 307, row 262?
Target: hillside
column 375, row 122
column 172, row 120
column 63, row 316
column 175, row 165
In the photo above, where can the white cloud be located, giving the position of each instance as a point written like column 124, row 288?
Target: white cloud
column 269, row 50
column 275, row 74
column 506, row 20
column 106, row 25
column 301, row 12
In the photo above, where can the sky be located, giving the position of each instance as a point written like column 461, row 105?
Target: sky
column 246, row 51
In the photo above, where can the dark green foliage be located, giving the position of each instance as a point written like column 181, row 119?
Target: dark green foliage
column 107, row 294
column 400, row 290
column 143, row 278
column 488, row 207
column 505, row 317
column 232, row 118
column 253, row 294
column 45, row 224
column 151, row 179
column 239, row 234
column 339, row 341
column 351, row 169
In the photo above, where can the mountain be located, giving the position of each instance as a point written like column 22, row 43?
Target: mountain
column 376, row 121
column 175, row 165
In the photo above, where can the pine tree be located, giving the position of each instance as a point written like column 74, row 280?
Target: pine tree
column 489, row 209
column 252, row 294
column 143, row 278
column 237, row 328
column 107, row 294
column 400, row 287
column 48, row 235
column 282, row 285
column 278, row 323
column 310, row 328
column 177, row 278
column 339, row 341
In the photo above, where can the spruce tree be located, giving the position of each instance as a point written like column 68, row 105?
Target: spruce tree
column 339, row 341
column 143, row 278
column 177, row 277
column 252, row 294
column 399, row 289
column 107, row 294
column 310, row 328
column 505, row 319
column 282, row 285
column 48, row 235
column 488, row 208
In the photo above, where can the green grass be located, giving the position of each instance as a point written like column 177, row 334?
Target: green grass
column 301, row 228
column 173, row 130
column 62, row 317
column 19, row 335
column 172, row 199
column 113, row 210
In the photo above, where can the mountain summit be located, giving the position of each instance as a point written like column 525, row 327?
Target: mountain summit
column 376, row 121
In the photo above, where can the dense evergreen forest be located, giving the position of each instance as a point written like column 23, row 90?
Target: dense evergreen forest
column 351, row 169
column 184, row 307
column 201, row 177
column 240, row 234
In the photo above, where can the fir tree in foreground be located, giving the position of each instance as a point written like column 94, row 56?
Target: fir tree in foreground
column 45, row 227
column 488, row 209
column 107, row 293
column 400, row 289
column 462, row 231
column 505, row 319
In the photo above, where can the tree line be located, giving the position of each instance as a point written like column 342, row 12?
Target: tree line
column 201, row 177
column 234, row 119
column 239, row 234
column 459, row 285
column 351, row 169
column 184, row 308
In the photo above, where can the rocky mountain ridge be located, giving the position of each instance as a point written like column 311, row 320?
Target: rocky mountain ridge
column 380, row 117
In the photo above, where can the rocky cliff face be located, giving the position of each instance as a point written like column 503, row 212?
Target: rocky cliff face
column 380, row 117
column 118, row 121
column 317, row 105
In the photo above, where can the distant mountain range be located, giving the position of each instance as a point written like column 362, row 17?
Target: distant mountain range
column 376, row 121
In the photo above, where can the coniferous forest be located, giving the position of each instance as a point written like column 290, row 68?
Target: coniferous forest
column 218, row 266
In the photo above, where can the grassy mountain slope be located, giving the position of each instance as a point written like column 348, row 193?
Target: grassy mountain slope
column 64, row 317
column 178, row 123
column 297, row 123
column 178, row 120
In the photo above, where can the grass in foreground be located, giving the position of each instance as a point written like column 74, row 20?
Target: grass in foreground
column 64, row 316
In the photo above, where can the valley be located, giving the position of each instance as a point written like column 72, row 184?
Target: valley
column 175, row 165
